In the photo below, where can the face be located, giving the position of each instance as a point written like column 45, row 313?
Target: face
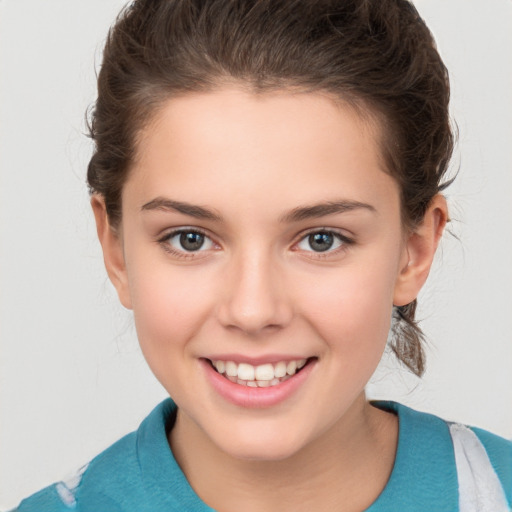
column 261, row 251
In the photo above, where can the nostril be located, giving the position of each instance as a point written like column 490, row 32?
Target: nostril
column 254, row 304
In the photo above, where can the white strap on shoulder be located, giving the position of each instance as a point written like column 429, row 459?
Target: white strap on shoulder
column 66, row 489
column 480, row 489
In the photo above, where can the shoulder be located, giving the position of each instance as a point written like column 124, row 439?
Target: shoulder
column 483, row 462
column 113, row 480
column 484, row 470
column 499, row 451
column 451, row 465
column 104, row 473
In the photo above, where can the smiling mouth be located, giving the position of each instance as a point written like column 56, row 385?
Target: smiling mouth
column 261, row 376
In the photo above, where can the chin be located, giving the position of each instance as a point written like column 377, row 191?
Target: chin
column 266, row 446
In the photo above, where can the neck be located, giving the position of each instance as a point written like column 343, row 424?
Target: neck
column 344, row 469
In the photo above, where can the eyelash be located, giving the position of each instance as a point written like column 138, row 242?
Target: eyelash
column 344, row 241
column 183, row 254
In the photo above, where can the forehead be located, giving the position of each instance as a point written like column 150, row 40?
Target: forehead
column 236, row 148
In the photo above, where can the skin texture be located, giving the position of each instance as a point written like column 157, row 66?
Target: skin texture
column 257, row 289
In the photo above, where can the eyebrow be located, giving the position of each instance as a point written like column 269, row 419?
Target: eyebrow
column 327, row 208
column 198, row 212
column 297, row 214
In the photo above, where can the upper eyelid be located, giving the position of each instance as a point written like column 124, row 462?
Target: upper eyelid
column 334, row 231
column 170, row 233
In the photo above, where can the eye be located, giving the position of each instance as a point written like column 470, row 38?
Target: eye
column 323, row 241
column 187, row 241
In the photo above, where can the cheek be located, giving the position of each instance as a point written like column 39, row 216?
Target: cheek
column 170, row 303
column 352, row 309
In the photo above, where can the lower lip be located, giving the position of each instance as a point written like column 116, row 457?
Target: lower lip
column 249, row 397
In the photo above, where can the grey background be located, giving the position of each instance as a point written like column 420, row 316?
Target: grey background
column 72, row 379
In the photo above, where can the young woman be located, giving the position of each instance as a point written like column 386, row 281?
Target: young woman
column 266, row 184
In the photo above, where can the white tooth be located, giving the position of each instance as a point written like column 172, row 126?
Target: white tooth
column 291, row 367
column 280, row 369
column 301, row 363
column 232, row 378
column 263, row 383
column 231, row 369
column 275, row 382
column 245, row 371
column 241, row 382
column 252, row 384
column 264, row 372
column 221, row 367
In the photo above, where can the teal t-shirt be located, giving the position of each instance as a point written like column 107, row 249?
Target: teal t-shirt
column 139, row 473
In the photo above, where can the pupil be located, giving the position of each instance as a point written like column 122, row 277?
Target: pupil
column 191, row 241
column 321, row 241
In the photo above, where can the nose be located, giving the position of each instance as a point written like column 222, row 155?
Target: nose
column 254, row 299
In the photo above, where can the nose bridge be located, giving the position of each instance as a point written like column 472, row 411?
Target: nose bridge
column 254, row 298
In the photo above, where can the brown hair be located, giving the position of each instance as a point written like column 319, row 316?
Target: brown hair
column 375, row 54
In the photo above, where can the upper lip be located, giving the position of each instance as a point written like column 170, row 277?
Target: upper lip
column 255, row 361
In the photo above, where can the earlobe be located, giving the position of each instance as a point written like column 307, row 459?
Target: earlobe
column 419, row 252
column 113, row 254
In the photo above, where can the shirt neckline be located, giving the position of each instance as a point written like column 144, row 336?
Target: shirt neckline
column 423, row 473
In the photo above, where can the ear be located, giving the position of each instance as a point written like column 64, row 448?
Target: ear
column 419, row 252
column 113, row 254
